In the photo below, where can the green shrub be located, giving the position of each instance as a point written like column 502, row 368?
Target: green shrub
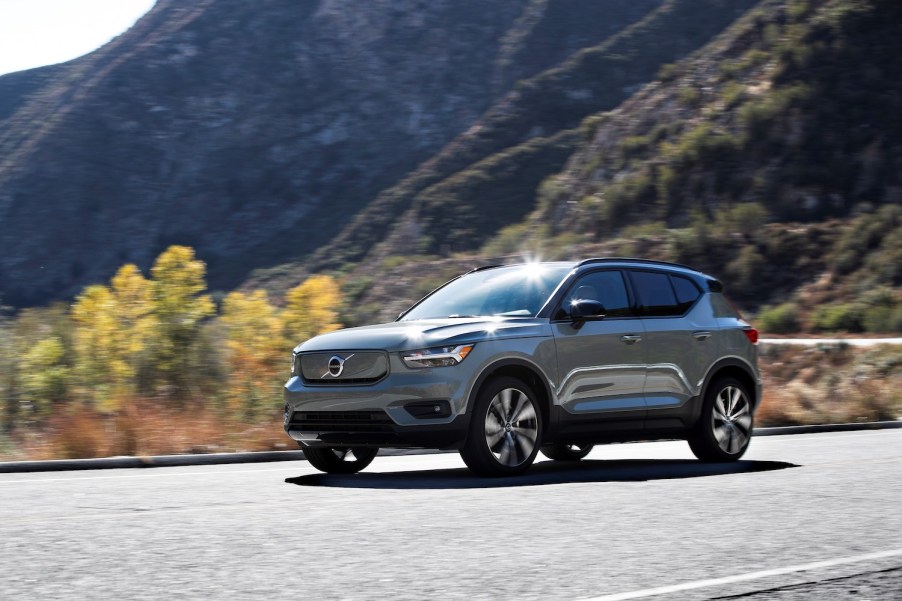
column 667, row 72
column 689, row 96
column 838, row 318
column 881, row 310
column 732, row 94
column 882, row 319
column 634, row 145
column 511, row 239
column 745, row 272
column 746, row 218
column 782, row 319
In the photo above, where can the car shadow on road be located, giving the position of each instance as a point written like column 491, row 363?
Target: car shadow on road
column 544, row 473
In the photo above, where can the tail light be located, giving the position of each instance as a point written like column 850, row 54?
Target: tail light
column 751, row 334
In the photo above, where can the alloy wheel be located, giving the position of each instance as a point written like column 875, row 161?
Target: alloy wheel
column 731, row 420
column 511, row 427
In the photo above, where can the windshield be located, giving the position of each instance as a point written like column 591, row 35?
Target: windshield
column 515, row 291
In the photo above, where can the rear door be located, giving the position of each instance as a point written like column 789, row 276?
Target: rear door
column 601, row 363
column 681, row 344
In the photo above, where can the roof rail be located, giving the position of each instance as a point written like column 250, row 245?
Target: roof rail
column 483, row 267
column 632, row 260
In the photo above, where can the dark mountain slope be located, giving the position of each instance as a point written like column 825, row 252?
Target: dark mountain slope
column 770, row 158
column 594, row 78
column 229, row 125
column 796, row 110
column 17, row 88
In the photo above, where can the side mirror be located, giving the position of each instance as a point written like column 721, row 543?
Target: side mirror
column 586, row 310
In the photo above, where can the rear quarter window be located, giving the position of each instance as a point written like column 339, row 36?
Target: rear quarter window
column 686, row 291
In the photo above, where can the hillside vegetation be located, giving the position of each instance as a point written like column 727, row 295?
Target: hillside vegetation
column 336, row 160
column 150, row 365
column 252, row 131
column 481, row 171
column 770, row 158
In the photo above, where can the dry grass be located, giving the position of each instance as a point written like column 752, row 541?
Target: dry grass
column 802, row 385
column 145, row 428
column 830, row 384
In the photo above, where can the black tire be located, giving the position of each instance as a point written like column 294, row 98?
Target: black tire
column 724, row 428
column 505, row 429
column 339, row 460
column 566, row 452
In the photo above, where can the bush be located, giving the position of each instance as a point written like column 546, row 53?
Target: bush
column 882, row 319
column 882, row 310
column 689, row 97
column 838, row 318
column 668, row 72
column 746, row 218
column 782, row 319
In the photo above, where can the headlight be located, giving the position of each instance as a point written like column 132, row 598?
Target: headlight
column 294, row 364
column 442, row 356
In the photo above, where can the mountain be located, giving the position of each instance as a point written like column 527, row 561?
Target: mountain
column 253, row 132
column 795, row 108
column 769, row 158
column 487, row 177
column 772, row 156
column 396, row 143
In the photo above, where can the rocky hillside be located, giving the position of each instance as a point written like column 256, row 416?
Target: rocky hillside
column 795, row 108
column 252, row 131
column 487, row 177
column 756, row 139
column 770, row 158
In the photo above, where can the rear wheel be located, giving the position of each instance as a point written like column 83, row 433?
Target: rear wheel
column 340, row 460
column 505, row 429
column 724, row 429
column 566, row 452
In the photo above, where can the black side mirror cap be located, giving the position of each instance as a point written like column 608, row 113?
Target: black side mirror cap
column 586, row 310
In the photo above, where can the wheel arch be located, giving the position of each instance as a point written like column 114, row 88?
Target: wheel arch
column 733, row 368
column 522, row 370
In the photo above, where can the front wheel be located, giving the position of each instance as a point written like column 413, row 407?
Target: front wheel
column 340, row 460
column 724, row 429
column 505, row 429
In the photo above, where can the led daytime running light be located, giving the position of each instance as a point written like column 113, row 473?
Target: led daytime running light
column 437, row 357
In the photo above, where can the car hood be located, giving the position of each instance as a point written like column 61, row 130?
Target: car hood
column 410, row 335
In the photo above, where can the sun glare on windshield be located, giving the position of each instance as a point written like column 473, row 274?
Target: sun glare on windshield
column 511, row 291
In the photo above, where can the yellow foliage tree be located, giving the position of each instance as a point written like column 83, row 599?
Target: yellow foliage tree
column 96, row 337
column 136, row 321
column 310, row 308
column 179, row 306
column 257, row 354
column 44, row 374
column 112, row 328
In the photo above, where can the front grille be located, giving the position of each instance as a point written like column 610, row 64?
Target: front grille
column 342, row 368
column 341, row 421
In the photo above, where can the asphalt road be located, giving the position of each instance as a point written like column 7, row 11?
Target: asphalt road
column 802, row 517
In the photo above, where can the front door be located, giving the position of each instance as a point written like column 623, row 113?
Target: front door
column 601, row 363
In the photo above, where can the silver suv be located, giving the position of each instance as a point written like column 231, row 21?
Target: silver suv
column 505, row 361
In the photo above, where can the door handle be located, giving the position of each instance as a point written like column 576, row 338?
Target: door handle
column 700, row 336
column 630, row 339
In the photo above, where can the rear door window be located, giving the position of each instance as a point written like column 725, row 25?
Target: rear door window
column 656, row 296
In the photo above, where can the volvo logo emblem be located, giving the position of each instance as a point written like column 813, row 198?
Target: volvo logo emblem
column 336, row 365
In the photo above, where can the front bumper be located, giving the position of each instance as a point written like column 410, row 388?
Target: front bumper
column 377, row 414
column 451, row 435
